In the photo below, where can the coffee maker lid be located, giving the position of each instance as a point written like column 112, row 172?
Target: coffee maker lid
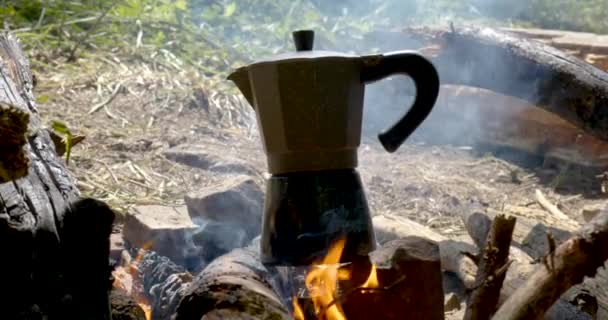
column 304, row 41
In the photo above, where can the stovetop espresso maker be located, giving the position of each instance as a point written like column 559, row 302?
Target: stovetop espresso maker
column 309, row 107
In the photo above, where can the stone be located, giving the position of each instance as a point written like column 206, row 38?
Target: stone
column 589, row 211
column 451, row 302
column 536, row 243
column 166, row 230
column 238, row 201
column 208, row 157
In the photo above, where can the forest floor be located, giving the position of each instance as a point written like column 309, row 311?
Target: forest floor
column 132, row 113
column 122, row 161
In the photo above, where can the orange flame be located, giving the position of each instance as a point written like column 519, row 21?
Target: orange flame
column 372, row 280
column 127, row 279
column 298, row 314
column 322, row 284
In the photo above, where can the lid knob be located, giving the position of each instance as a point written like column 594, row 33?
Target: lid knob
column 303, row 39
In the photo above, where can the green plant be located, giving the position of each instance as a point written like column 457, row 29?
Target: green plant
column 212, row 37
column 62, row 129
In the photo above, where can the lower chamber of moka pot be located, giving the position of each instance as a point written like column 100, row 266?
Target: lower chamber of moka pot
column 308, row 212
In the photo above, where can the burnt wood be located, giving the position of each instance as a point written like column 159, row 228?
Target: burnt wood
column 410, row 279
column 54, row 245
column 580, row 256
column 236, row 284
column 492, row 269
column 16, row 107
column 514, row 66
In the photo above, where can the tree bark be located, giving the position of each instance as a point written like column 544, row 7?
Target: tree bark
column 15, row 95
column 54, row 245
column 514, row 66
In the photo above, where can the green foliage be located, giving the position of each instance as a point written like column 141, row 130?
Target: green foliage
column 213, row 36
column 62, row 129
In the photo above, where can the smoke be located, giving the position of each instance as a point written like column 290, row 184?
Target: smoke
column 345, row 26
column 261, row 28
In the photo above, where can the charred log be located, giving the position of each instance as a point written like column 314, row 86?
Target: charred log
column 164, row 283
column 236, row 284
column 418, row 297
column 48, row 236
column 15, row 109
column 513, row 66
column 124, row 307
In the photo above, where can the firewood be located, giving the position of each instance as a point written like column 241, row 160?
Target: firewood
column 477, row 223
column 511, row 65
column 237, row 284
column 480, row 117
column 16, row 109
column 418, row 297
column 482, row 302
column 553, row 209
column 455, row 255
column 567, row 266
column 56, row 245
column 521, row 263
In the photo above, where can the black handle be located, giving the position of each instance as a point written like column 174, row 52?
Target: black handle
column 303, row 39
column 426, row 79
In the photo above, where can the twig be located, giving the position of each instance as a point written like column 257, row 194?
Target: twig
column 499, row 273
column 553, row 209
column 573, row 260
column 483, row 300
column 102, row 104
column 109, row 170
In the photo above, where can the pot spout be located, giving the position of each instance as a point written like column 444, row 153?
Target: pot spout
column 240, row 77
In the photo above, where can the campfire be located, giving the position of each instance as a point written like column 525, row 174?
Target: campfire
column 127, row 279
column 322, row 284
column 204, row 261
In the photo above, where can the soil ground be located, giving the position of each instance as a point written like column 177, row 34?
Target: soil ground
column 121, row 159
column 142, row 112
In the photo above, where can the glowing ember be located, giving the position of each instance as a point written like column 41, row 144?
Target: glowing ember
column 322, row 284
column 126, row 278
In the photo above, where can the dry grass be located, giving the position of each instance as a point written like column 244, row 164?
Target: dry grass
column 130, row 112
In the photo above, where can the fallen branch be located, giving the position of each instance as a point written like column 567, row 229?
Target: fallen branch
column 483, row 300
column 477, row 223
column 104, row 103
column 547, row 205
column 574, row 259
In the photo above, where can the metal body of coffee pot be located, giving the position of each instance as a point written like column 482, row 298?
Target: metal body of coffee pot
column 309, row 107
